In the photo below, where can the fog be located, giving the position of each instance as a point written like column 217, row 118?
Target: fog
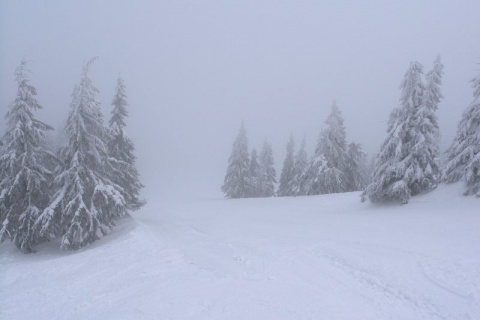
column 195, row 69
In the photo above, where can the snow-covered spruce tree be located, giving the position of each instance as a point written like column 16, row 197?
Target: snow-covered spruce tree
column 426, row 143
column 122, row 159
column 86, row 201
column 24, row 175
column 356, row 168
column 327, row 168
column 253, row 175
column 285, row 188
column 463, row 156
column 312, row 180
column 267, row 171
column 334, row 148
column 236, row 182
column 301, row 163
column 397, row 170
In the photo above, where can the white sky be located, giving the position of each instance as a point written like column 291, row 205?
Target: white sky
column 195, row 69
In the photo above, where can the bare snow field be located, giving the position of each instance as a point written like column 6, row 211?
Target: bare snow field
column 319, row 257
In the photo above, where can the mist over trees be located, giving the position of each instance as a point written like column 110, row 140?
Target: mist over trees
column 407, row 164
column 335, row 166
column 301, row 163
column 286, row 178
column 268, row 173
column 357, row 170
column 238, row 182
column 254, row 175
column 249, row 177
column 77, row 194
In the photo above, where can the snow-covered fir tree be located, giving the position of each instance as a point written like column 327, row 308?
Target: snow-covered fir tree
column 267, row 171
column 254, row 175
column 326, row 172
column 301, row 163
column 236, row 182
column 86, row 201
column 24, row 173
column 397, row 171
column 333, row 146
column 463, row 156
column 356, row 168
column 286, row 178
column 121, row 150
column 312, row 181
column 426, row 142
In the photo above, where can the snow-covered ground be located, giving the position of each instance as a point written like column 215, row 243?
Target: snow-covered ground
column 322, row 257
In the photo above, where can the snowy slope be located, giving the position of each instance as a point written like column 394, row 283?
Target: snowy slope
column 320, row 257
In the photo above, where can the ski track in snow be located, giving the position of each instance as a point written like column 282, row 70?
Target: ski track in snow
column 326, row 257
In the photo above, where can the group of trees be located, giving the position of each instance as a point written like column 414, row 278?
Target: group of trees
column 77, row 191
column 335, row 166
column 250, row 175
column 407, row 164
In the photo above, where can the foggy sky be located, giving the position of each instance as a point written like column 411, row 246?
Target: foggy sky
column 195, row 69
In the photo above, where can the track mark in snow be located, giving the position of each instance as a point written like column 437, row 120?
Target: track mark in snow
column 439, row 277
column 374, row 282
column 456, row 279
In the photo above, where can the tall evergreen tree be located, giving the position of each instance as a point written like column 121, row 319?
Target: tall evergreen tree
column 254, row 175
column 236, row 182
column 86, row 201
column 397, row 169
column 121, row 148
column 333, row 143
column 334, row 148
column 285, row 188
column 267, row 171
column 426, row 143
column 326, row 173
column 24, row 175
column 301, row 163
column 463, row 156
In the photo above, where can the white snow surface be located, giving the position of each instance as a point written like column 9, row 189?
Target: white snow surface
column 318, row 257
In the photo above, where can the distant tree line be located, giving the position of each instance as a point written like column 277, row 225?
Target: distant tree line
column 73, row 192
column 335, row 167
column 250, row 176
column 407, row 164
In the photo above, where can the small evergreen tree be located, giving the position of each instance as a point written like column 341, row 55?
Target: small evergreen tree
column 236, row 182
column 285, row 188
column 24, row 175
column 301, row 163
column 463, row 156
column 397, row 170
column 267, row 171
column 86, row 201
column 121, row 148
column 254, row 175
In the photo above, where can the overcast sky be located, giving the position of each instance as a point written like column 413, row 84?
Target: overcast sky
column 195, row 69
